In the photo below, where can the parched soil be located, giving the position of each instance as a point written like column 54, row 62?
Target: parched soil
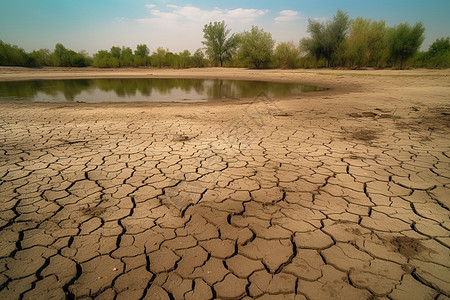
column 339, row 194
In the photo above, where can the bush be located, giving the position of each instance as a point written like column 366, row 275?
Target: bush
column 256, row 47
column 287, row 55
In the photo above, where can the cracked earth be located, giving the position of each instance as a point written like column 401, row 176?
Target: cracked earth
column 340, row 194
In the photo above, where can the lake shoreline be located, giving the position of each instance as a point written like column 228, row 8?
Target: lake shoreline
column 330, row 79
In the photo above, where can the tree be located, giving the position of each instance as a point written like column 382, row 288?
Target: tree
column 326, row 38
column 14, row 56
column 141, row 56
column 79, row 59
column 404, row 42
column 366, row 42
column 60, row 56
column 41, row 57
column 314, row 44
column 256, row 47
column 171, row 59
column 437, row 56
column 102, row 59
column 198, row 59
column 142, row 50
column 439, row 46
column 159, row 57
column 219, row 48
column 126, row 57
column 184, row 59
column 116, row 52
column 287, row 55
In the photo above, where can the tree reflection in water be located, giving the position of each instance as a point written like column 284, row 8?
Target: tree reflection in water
column 149, row 89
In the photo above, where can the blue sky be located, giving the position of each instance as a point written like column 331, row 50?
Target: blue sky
column 177, row 25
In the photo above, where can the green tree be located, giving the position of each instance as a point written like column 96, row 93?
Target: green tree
column 77, row 59
column 366, row 43
column 171, row 60
column 60, row 56
column 116, row 52
column 256, row 47
column 41, row 57
column 404, row 42
column 184, row 59
column 376, row 43
column 141, row 55
column 314, row 45
column 219, row 47
column 357, row 42
column 287, row 55
column 14, row 56
column 142, row 50
column 327, row 38
column 439, row 46
column 198, row 59
column 126, row 57
column 437, row 56
column 102, row 59
column 158, row 57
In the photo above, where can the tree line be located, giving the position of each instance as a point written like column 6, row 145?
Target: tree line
column 124, row 57
column 12, row 55
column 340, row 42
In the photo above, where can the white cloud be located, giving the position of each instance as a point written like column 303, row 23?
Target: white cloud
column 245, row 15
column 197, row 15
column 287, row 16
column 321, row 20
column 180, row 27
column 150, row 5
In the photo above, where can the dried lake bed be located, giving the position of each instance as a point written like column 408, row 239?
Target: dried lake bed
column 336, row 194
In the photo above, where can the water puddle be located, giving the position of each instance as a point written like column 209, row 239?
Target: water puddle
column 149, row 89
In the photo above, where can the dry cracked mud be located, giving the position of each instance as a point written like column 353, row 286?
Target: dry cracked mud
column 341, row 194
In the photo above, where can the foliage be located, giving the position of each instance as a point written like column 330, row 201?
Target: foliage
column 404, row 41
column 365, row 45
column 339, row 42
column 437, row 56
column 256, row 47
column 198, row 59
column 60, row 57
column 219, row 47
column 287, row 55
column 122, row 57
column 184, row 60
column 141, row 57
column 14, row 56
column 158, row 57
column 142, row 50
column 63, row 57
column 326, row 38
column 41, row 57
column 440, row 46
column 103, row 59
column 126, row 57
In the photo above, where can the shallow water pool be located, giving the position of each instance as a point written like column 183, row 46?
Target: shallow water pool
column 148, row 89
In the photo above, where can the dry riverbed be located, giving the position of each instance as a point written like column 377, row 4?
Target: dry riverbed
column 339, row 194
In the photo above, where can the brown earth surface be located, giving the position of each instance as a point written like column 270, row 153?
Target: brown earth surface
column 339, row 194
